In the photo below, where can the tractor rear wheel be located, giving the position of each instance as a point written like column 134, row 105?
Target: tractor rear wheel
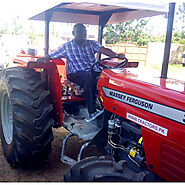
column 25, row 117
column 102, row 169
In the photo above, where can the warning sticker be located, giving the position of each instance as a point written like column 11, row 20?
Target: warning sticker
column 147, row 124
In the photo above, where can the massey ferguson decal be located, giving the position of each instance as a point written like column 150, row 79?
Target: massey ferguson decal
column 132, row 100
column 150, row 106
column 147, row 124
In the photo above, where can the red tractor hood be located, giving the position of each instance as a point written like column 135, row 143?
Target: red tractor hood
column 152, row 94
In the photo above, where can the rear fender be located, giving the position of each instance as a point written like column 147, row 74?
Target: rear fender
column 54, row 85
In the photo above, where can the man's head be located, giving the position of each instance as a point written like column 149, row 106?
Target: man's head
column 80, row 33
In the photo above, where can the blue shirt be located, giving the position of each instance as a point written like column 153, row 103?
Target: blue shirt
column 79, row 58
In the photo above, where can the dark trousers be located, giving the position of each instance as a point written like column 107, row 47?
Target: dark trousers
column 88, row 83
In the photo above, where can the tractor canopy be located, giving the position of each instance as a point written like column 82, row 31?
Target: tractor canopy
column 105, row 12
column 89, row 12
column 96, row 13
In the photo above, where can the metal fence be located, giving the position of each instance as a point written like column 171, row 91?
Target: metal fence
column 133, row 52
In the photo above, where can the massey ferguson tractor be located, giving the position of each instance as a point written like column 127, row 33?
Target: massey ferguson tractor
column 142, row 129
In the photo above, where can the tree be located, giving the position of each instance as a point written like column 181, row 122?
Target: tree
column 129, row 31
column 111, row 37
column 179, row 35
column 4, row 29
column 180, row 18
column 14, row 27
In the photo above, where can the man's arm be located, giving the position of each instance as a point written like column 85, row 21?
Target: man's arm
column 60, row 52
column 110, row 53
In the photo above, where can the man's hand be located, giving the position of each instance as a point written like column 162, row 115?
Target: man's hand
column 121, row 56
column 110, row 53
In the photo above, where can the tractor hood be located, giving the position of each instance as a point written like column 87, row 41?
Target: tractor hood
column 88, row 12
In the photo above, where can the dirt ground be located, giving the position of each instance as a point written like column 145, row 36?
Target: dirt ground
column 52, row 170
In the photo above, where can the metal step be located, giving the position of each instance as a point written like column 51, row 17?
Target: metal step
column 83, row 130
column 68, row 160
column 80, row 128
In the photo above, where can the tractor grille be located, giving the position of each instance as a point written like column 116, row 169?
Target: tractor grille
column 172, row 163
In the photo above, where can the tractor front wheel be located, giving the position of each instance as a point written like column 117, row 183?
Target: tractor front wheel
column 25, row 117
column 102, row 169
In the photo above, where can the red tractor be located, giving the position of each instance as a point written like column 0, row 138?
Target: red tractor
column 141, row 130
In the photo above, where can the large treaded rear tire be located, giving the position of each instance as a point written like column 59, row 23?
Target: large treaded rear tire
column 26, row 97
column 101, row 169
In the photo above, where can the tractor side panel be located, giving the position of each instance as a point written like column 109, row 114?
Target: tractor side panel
column 163, row 138
column 164, row 157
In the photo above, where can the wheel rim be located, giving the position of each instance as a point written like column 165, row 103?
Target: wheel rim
column 6, row 116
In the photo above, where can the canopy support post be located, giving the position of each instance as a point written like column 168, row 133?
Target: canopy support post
column 103, row 19
column 168, row 40
column 48, row 16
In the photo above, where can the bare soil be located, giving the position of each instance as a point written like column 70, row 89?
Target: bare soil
column 50, row 171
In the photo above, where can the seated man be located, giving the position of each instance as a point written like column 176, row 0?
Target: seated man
column 80, row 54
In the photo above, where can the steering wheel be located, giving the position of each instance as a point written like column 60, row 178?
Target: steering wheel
column 99, row 63
column 97, row 71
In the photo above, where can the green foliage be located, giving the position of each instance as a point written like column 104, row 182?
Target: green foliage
column 34, row 37
column 129, row 31
column 180, row 18
column 111, row 37
column 4, row 29
column 179, row 37
column 160, row 38
column 133, row 31
column 14, row 27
